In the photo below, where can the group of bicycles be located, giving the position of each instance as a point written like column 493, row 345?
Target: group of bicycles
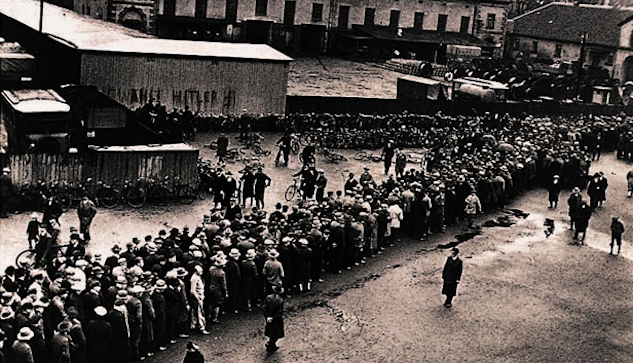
column 68, row 194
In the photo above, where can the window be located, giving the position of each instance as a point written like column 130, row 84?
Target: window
column 343, row 16
column 261, row 7
column 88, row 9
column 535, row 46
column 609, row 61
column 418, row 20
column 441, row 22
column 170, row 7
column 370, row 14
column 317, row 12
column 289, row 12
column 394, row 18
column 465, row 24
column 517, row 44
column 201, row 9
column 558, row 50
column 490, row 24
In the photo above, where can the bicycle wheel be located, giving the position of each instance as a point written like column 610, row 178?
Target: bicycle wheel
column 360, row 156
column 331, row 158
column 135, row 197
column 160, row 195
column 109, row 197
column 186, row 194
column 290, row 192
column 26, row 259
column 295, row 147
column 65, row 201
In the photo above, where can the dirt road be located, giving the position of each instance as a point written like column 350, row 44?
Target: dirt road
column 523, row 298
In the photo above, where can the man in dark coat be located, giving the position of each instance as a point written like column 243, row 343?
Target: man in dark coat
column 262, row 181
column 6, row 192
column 574, row 201
column 160, row 312
column 451, row 275
column 582, row 223
column 554, row 191
column 86, row 212
column 594, row 190
column 273, row 311
column 223, row 144
column 60, row 344
column 120, row 334
column 193, row 354
column 99, row 337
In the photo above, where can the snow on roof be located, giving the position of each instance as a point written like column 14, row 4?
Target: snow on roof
column 36, row 101
column 145, row 148
column 421, row 80
column 86, row 33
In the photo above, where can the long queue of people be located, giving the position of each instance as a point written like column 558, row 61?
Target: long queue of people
column 74, row 306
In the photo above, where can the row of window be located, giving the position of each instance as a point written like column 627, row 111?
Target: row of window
column 558, row 50
column 261, row 9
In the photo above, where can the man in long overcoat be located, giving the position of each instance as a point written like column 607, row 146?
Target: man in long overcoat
column 99, row 337
column 273, row 311
column 451, row 275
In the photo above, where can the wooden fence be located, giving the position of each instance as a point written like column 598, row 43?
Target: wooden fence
column 108, row 167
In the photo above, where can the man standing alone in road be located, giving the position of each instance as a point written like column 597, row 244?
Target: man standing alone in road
column 273, row 311
column 451, row 275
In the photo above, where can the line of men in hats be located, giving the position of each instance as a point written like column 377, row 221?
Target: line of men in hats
column 156, row 291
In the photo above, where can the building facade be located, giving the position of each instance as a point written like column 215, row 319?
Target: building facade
column 315, row 25
column 555, row 32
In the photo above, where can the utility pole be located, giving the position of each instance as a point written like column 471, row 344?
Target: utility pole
column 580, row 63
column 41, row 14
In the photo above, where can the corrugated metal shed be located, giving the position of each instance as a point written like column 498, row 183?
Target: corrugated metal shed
column 86, row 33
column 132, row 67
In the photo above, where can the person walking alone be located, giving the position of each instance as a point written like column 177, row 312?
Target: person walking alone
column 617, row 229
column 273, row 311
column 451, row 275
column 554, row 192
column 86, row 213
column 473, row 206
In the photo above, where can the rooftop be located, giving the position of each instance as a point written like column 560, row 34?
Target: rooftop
column 566, row 22
column 417, row 36
column 36, row 100
column 90, row 34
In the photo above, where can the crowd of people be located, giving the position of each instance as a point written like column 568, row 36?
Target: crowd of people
column 75, row 306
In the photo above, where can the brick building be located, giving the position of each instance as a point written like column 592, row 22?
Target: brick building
column 555, row 31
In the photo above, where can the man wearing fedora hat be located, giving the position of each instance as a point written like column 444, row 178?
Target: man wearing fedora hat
column 160, row 314
column 193, row 354
column 217, row 288
column 273, row 312
column 21, row 350
column 198, row 320
column 273, row 271
column 99, row 337
column 60, row 344
column 451, row 274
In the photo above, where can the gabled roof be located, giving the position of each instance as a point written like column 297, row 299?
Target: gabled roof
column 90, row 34
column 566, row 23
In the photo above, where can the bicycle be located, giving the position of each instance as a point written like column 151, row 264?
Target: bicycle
column 134, row 195
column 330, row 156
column 294, row 189
column 367, row 156
column 344, row 173
column 26, row 258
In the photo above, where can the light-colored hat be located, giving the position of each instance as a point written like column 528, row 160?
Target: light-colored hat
column 6, row 170
column 273, row 253
column 234, row 252
column 25, row 334
column 100, row 311
column 160, row 285
column 137, row 289
column 575, row 190
column 303, row 241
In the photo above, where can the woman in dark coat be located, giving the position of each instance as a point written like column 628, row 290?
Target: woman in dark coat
column 451, row 275
column 99, row 337
column 273, row 311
